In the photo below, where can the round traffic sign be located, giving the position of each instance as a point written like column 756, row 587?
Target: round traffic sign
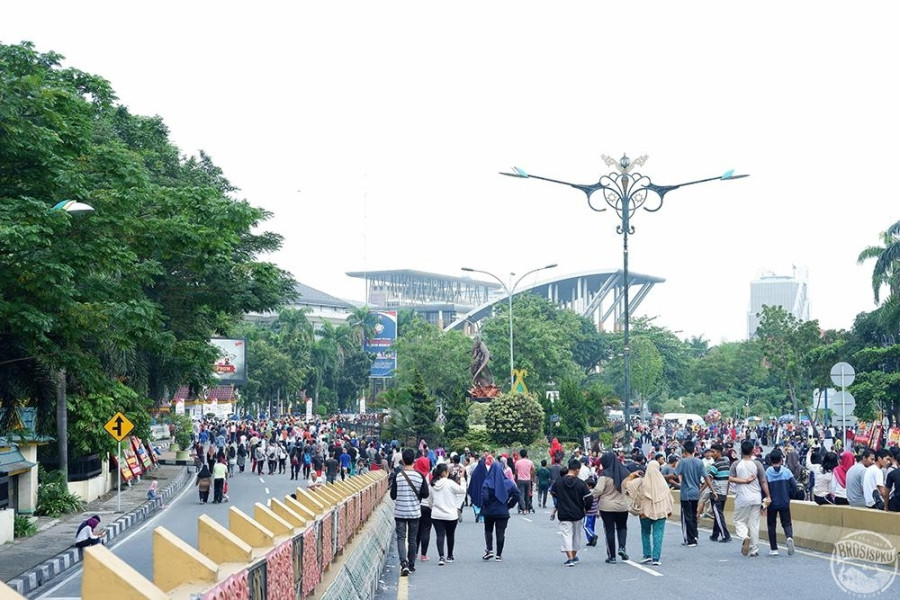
column 842, row 404
column 842, row 374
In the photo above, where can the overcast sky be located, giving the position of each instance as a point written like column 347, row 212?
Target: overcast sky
column 375, row 131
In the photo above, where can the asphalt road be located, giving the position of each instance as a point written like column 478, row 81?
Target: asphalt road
column 532, row 567
column 180, row 517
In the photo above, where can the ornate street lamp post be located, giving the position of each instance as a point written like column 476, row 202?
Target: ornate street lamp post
column 625, row 191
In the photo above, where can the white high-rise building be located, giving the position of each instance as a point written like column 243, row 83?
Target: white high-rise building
column 790, row 292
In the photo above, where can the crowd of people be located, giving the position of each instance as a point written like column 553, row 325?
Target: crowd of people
column 705, row 464
column 431, row 488
column 317, row 453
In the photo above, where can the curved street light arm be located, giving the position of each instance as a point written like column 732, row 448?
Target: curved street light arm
column 489, row 274
column 588, row 189
column 519, row 280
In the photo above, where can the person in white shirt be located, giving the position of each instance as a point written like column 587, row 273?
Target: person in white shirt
column 748, row 479
column 446, row 497
column 873, row 480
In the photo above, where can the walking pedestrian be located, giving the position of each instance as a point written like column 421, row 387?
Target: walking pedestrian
column 718, row 473
column 782, row 486
column 613, row 505
column 203, row 483
column 219, row 472
column 749, row 481
column 572, row 495
column 691, row 475
column 543, row 478
column 408, row 488
column 525, row 476
column 498, row 495
column 476, row 483
column 652, row 494
column 447, row 496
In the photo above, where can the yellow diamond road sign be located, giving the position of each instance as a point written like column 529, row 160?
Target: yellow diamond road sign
column 119, row 426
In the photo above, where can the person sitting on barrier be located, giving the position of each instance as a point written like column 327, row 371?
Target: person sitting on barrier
column 87, row 535
column 153, row 493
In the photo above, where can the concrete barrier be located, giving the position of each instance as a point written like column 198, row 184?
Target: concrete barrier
column 818, row 527
column 286, row 550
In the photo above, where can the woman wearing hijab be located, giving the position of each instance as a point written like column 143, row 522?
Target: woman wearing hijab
column 204, row 482
column 652, row 494
column 498, row 493
column 839, row 481
column 613, row 504
column 476, row 480
column 86, row 534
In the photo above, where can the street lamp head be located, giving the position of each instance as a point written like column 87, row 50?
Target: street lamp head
column 729, row 174
column 73, row 207
column 517, row 172
column 551, row 266
column 467, row 269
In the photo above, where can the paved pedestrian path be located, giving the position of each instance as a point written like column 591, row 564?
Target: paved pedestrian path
column 28, row 563
column 532, row 567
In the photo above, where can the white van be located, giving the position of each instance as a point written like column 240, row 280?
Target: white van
column 683, row 418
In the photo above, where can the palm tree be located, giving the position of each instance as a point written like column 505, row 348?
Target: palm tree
column 887, row 263
column 886, row 272
column 362, row 322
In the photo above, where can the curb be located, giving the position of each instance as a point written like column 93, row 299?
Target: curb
column 48, row 570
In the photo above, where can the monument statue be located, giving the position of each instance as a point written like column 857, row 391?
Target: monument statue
column 483, row 387
column 481, row 373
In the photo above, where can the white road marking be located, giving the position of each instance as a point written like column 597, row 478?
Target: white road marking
column 267, row 491
column 527, row 519
column 643, row 568
column 261, row 480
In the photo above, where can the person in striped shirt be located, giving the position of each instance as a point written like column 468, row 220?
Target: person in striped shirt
column 408, row 489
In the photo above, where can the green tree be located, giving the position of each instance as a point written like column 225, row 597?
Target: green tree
column 514, row 419
column 786, row 344
column 131, row 293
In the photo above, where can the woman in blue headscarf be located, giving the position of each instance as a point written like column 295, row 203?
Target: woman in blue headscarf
column 498, row 493
column 476, row 480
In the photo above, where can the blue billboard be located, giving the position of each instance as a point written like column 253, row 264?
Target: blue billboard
column 380, row 342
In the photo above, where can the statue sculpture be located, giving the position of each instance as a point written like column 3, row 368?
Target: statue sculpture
column 482, row 380
column 481, row 373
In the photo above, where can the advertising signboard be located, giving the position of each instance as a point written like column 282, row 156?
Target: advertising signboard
column 231, row 364
column 380, row 342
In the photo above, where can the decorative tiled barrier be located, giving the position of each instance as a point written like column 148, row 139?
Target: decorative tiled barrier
column 283, row 551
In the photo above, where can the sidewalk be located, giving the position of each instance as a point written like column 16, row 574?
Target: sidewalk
column 29, row 563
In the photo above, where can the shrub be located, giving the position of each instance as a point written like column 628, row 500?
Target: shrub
column 514, row 419
column 24, row 527
column 54, row 498
column 475, row 440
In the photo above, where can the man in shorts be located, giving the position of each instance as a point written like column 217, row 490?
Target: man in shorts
column 571, row 493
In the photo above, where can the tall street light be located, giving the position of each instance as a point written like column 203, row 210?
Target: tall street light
column 510, row 290
column 62, row 410
column 625, row 191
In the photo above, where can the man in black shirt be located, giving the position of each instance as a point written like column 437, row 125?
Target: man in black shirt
column 332, row 466
column 571, row 494
column 892, row 481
